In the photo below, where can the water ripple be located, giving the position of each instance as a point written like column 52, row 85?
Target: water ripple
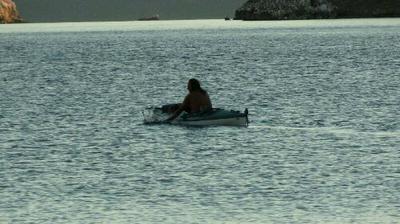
column 322, row 145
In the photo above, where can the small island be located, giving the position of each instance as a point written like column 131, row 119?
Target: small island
column 151, row 18
column 317, row 9
column 9, row 12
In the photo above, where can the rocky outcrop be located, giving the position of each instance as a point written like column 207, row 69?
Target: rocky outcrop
column 8, row 12
column 316, row 9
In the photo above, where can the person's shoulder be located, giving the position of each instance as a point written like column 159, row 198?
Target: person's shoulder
column 188, row 97
column 193, row 94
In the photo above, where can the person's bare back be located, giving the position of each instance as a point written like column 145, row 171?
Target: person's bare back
column 196, row 101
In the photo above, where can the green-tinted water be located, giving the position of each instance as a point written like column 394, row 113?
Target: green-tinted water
column 322, row 146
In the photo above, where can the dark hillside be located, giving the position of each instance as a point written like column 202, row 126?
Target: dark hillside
column 315, row 9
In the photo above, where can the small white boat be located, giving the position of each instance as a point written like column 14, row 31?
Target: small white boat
column 214, row 117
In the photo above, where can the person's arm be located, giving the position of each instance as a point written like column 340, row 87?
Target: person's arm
column 181, row 108
column 209, row 102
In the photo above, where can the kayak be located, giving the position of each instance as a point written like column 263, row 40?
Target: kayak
column 213, row 117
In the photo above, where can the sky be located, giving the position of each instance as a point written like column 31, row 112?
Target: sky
column 116, row 10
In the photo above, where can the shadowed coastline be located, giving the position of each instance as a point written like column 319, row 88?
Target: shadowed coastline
column 316, row 9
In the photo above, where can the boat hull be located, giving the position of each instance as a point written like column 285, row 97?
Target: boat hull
column 216, row 117
column 235, row 121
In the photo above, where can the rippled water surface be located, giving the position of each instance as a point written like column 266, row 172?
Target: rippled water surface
column 322, row 146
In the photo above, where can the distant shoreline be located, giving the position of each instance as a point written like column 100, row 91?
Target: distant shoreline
column 165, row 20
column 336, row 18
column 203, row 24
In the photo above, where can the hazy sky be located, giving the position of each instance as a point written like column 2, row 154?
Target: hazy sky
column 100, row 10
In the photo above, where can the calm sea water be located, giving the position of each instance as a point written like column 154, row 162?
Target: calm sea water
column 322, row 146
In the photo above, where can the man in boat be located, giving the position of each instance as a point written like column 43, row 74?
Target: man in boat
column 196, row 101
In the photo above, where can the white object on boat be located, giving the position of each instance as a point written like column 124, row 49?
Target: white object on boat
column 154, row 115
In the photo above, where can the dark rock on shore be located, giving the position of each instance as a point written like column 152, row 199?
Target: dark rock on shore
column 317, row 9
column 151, row 18
column 9, row 12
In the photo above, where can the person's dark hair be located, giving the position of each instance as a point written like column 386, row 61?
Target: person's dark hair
column 195, row 85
